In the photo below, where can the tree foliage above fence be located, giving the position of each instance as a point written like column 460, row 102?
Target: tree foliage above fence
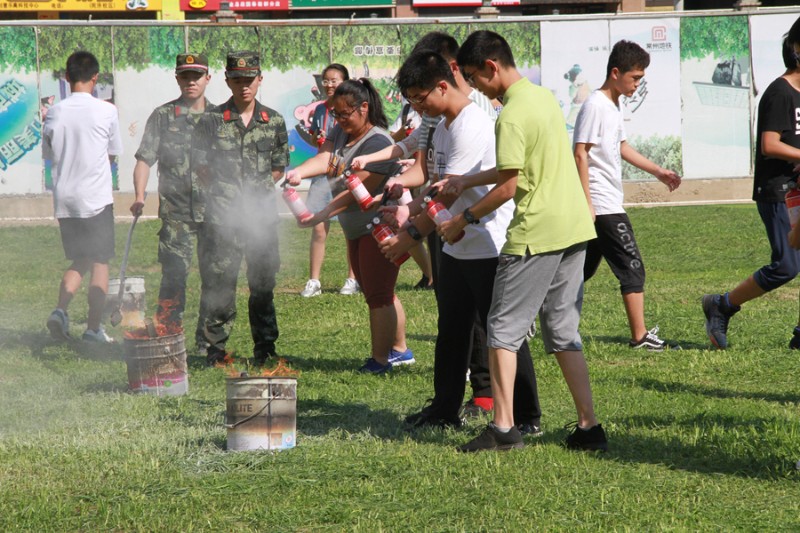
column 719, row 37
column 138, row 47
column 56, row 43
column 17, row 49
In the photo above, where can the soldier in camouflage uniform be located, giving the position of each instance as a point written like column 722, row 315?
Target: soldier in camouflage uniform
column 167, row 140
column 243, row 146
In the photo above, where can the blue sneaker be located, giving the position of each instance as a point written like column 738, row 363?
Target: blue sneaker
column 371, row 366
column 402, row 358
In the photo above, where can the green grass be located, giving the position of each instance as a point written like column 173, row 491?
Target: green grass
column 700, row 439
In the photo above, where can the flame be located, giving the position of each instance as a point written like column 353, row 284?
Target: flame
column 282, row 370
column 163, row 325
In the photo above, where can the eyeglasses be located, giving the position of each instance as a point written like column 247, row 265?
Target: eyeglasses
column 331, row 83
column 417, row 100
column 339, row 116
column 468, row 77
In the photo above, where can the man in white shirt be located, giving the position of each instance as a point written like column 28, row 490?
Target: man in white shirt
column 464, row 144
column 599, row 147
column 80, row 133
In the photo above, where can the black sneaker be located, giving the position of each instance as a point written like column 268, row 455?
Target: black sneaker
column 491, row 439
column 262, row 357
column 592, row 439
column 424, row 284
column 425, row 419
column 794, row 344
column 530, row 430
column 717, row 316
column 652, row 343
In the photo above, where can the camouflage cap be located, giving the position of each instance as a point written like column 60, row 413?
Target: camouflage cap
column 243, row 65
column 191, row 63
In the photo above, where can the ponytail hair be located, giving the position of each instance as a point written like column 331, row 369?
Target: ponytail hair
column 359, row 91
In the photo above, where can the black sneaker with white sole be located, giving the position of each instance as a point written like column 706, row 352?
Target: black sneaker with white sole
column 652, row 343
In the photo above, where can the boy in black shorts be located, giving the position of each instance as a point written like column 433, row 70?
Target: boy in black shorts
column 599, row 147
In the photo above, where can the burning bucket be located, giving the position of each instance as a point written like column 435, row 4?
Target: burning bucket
column 157, row 365
column 133, row 304
column 261, row 413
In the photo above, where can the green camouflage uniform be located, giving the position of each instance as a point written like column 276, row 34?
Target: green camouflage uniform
column 181, row 199
column 241, row 221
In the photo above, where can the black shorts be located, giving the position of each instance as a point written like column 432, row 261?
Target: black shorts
column 616, row 243
column 89, row 238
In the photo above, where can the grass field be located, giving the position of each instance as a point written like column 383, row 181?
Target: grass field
column 700, row 440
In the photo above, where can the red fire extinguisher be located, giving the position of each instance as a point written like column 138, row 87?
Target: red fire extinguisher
column 296, row 204
column 383, row 232
column 439, row 213
column 358, row 190
column 793, row 203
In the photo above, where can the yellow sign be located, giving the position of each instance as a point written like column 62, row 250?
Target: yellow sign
column 80, row 5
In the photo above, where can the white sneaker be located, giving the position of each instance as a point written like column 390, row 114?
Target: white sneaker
column 98, row 336
column 350, row 287
column 58, row 324
column 313, row 288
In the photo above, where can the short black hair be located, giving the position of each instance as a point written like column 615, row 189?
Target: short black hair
column 787, row 52
column 423, row 69
column 627, row 56
column 82, row 66
column 791, row 41
column 482, row 45
column 440, row 42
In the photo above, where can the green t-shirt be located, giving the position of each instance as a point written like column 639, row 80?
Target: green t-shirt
column 550, row 208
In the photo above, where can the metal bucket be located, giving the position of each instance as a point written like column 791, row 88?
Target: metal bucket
column 261, row 413
column 133, row 304
column 157, row 365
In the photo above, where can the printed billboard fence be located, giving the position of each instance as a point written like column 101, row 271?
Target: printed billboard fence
column 692, row 113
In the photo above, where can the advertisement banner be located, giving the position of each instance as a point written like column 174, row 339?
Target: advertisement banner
column 653, row 113
column 715, row 90
column 574, row 57
column 447, row 3
column 235, row 5
column 80, row 5
column 335, row 4
column 20, row 120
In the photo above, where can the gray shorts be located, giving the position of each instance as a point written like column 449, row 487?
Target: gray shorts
column 319, row 194
column 549, row 284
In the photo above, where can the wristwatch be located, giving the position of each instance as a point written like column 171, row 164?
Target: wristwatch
column 414, row 232
column 469, row 217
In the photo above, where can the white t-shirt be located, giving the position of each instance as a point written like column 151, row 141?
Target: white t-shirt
column 468, row 147
column 412, row 118
column 600, row 123
column 79, row 134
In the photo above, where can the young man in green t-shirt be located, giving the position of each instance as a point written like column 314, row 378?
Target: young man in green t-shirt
column 541, row 265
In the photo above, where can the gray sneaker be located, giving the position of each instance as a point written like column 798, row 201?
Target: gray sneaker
column 350, row 287
column 58, row 324
column 98, row 336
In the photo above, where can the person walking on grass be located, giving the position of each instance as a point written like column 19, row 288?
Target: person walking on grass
column 319, row 192
column 242, row 148
column 361, row 129
column 167, row 140
column 79, row 135
column 777, row 156
column 465, row 143
column 540, row 268
column 599, row 146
